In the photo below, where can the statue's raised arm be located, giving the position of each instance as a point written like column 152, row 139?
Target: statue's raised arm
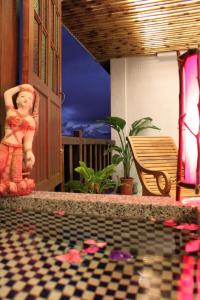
column 20, row 126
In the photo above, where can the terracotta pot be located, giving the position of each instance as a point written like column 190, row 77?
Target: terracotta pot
column 126, row 187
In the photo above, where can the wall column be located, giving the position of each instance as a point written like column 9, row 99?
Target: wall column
column 118, row 96
column 118, row 88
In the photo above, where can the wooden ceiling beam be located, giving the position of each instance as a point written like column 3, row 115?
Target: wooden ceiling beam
column 114, row 28
column 126, row 5
column 113, row 12
column 128, row 34
column 104, row 21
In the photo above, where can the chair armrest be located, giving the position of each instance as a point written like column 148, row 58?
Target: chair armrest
column 159, row 175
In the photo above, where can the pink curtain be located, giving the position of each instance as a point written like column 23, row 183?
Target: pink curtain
column 190, row 120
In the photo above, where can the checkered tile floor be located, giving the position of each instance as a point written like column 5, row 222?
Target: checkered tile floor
column 29, row 243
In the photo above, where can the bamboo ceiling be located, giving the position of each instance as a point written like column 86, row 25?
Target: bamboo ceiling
column 119, row 28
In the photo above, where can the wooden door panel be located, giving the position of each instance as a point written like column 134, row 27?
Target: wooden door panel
column 42, row 150
column 40, row 170
column 54, row 123
column 41, row 68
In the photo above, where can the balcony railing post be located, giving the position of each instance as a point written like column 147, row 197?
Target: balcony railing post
column 91, row 151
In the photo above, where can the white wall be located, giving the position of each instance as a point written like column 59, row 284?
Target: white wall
column 146, row 86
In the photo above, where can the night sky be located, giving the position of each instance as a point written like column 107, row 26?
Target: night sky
column 87, row 88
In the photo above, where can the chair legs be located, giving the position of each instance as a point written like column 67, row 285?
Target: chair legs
column 178, row 193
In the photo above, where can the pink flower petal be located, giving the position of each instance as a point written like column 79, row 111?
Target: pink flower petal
column 186, row 281
column 18, row 209
column 90, row 242
column 192, row 246
column 194, row 201
column 101, row 244
column 152, row 219
column 170, row 223
column 198, row 279
column 91, row 250
column 59, row 212
column 187, row 226
column 72, row 256
column 63, row 257
column 95, row 243
column 32, row 228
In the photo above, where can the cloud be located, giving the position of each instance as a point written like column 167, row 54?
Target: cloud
column 68, row 112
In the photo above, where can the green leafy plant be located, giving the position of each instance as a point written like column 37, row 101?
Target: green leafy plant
column 122, row 152
column 92, row 181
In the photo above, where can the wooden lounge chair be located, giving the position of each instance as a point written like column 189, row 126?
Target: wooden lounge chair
column 155, row 159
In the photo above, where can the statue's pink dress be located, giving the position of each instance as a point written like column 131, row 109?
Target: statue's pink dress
column 11, row 158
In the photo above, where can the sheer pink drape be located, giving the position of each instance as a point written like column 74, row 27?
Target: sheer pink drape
column 190, row 126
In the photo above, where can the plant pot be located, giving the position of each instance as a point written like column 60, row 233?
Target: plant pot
column 126, row 187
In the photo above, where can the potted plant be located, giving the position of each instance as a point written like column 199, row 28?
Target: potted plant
column 122, row 152
column 92, row 181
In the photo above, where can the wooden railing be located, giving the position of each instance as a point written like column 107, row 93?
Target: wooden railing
column 91, row 151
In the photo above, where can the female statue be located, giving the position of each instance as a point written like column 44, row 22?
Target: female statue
column 20, row 126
